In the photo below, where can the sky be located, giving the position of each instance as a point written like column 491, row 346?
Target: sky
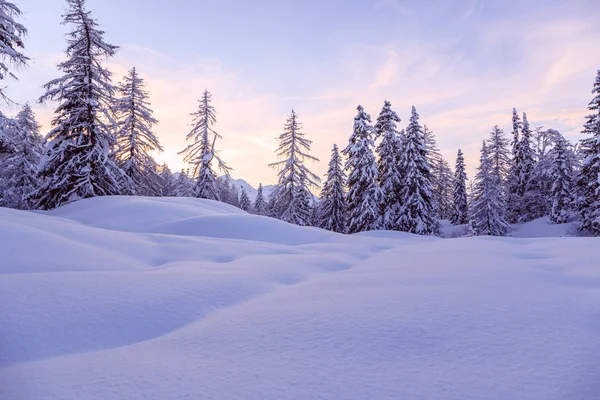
column 464, row 64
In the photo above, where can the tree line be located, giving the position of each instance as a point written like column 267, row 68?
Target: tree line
column 101, row 141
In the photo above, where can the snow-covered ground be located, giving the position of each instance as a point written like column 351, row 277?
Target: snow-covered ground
column 171, row 299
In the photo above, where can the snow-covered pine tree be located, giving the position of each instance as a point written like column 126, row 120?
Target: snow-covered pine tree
column 294, row 177
column 184, row 185
column 135, row 139
column 488, row 208
column 76, row 162
column 11, row 40
column 20, row 171
column 417, row 214
column 526, row 164
column 331, row 211
column 387, row 166
column 499, row 154
column 363, row 197
column 517, row 126
column 537, row 199
column 512, row 180
column 588, row 183
column 167, row 181
column 431, row 147
column 561, row 197
column 201, row 151
column 245, row 203
column 442, row 187
column 460, row 202
column 259, row 203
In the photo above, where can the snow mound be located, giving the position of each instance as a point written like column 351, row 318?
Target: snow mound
column 149, row 298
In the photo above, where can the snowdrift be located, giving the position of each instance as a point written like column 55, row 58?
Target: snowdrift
column 164, row 298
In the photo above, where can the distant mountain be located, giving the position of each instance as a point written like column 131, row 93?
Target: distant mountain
column 239, row 183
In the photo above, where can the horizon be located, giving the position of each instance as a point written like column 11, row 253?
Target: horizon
column 463, row 64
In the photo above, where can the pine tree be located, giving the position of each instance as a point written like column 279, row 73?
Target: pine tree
column 184, row 185
column 11, row 40
column 167, row 181
column 135, row 139
column 588, row 183
column 245, row 203
column 499, row 154
column 442, row 188
column 561, row 196
column 512, row 182
column 417, row 214
column 526, row 165
column 295, row 179
column 363, row 197
column 488, row 207
column 76, row 162
column 331, row 211
column 259, row 202
column 388, row 174
column 201, row 152
column 20, row 170
column 460, row 200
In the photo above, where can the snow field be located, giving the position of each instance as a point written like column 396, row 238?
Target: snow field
column 164, row 298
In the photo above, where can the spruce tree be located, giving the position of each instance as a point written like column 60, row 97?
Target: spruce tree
column 76, row 162
column 245, row 203
column 417, row 214
column 488, row 206
column 460, row 214
column 442, row 187
column 201, row 152
column 588, row 183
column 363, row 197
column 387, row 167
column 184, row 185
column 19, row 173
column 512, row 181
column 526, row 165
column 135, row 139
column 331, row 211
column 259, row 202
column 499, row 154
column 11, row 41
column 167, row 181
column 295, row 179
column 561, row 197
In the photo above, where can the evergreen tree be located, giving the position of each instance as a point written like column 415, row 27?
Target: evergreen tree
column 295, row 179
column 201, row 152
column 499, row 154
column 588, row 183
column 11, row 40
column 20, row 170
column 135, row 139
column 363, row 197
column 331, row 211
column 561, row 196
column 259, row 202
column 417, row 214
column 184, row 185
column 388, row 174
column 167, row 181
column 459, row 184
column 526, row 165
column 442, row 188
column 245, row 203
column 488, row 207
column 76, row 162
column 512, row 182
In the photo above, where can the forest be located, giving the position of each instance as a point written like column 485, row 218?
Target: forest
column 387, row 177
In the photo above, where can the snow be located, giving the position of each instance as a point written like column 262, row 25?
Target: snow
column 168, row 298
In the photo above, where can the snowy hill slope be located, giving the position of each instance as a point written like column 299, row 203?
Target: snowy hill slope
column 148, row 298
